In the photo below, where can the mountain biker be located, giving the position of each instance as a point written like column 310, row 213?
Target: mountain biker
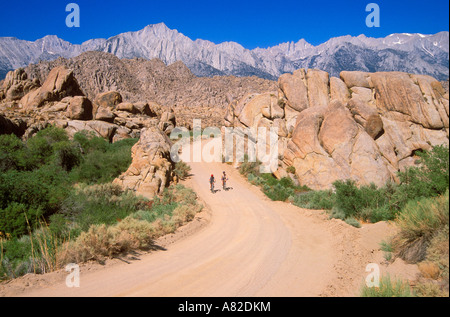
column 212, row 181
column 224, row 180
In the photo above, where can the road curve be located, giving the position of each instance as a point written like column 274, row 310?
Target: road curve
column 250, row 247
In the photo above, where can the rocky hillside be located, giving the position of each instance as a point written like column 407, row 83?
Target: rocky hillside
column 138, row 79
column 360, row 126
column 26, row 106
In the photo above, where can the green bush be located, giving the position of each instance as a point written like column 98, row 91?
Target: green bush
column 321, row 199
column 16, row 258
column 429, row 179
column 13, row 154
column 36, row 194
column 98, row 204
column 101, row 162
column 353, row 222
column 278, row 192
column 66, row 155
column 368, row 203
column 42, row 146
column 387, row 288
column 348, row 197
column 247, row 167
column 382, row 213
column 14, row 218
column 419, row 222
column 290, row 169
column 181, row 170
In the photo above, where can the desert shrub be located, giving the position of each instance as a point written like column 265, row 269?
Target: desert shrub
column 278, row 192
column 98, row 204
column 438, row 252
column 247, row 167
column 382, row 213
column 136, row 231
column 431, row 178
column 94, row 244
column 181, row 170
column 353, row 222
column 368, row 203
column 12, row 153
column 348, row 197
column 275, row 189
column 42, row 148
column 36, row 253
column 14, row 218
column 66, row 155
column 427, row 289
column 102, row 161
column 419, row 222
column 424, row 217
column 36, row 194
column 321, row 199
column 387, row 288
column 290, row 169
column 337, row 213
column 387, row 248
column 15, row 257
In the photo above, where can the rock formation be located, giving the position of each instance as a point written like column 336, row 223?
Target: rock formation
column 361, row 126
column 173, row 86
column 151, row 169
column 26, row 107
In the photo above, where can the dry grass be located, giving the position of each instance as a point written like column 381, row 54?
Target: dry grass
column 102, row 241
column 424, row 239
column 429, row 270
column 419, row 222
column 387, row 288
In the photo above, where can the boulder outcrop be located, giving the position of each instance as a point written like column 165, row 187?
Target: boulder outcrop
column 151, row 168
column 60, row 83
column 61, row 102
column 361, row 126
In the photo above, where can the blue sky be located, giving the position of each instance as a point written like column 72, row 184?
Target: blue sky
column 251, row 23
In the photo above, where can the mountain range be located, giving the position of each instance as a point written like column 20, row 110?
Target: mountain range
column 412, row 53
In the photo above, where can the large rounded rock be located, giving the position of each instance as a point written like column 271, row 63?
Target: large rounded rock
column 355, row 79
column 79, row 108
column 294, row 89
column 251, row 112
column 151, row 167
column 60, row 83
column 318, row 88
column 399, row 98
column 108, row 99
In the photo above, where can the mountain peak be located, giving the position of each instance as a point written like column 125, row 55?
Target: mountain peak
column 407, row 52
column 157, row 26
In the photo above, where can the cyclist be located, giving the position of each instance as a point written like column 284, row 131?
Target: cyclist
column 224, row 180
column 211, row 182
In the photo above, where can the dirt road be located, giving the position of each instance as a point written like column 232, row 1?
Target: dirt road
column 248, row 246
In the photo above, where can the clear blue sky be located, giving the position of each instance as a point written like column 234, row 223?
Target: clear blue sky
column 251, row 23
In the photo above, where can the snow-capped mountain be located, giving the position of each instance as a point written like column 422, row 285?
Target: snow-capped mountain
column 413, row 53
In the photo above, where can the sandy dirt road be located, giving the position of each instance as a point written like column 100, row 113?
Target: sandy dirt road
column 249, row 246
